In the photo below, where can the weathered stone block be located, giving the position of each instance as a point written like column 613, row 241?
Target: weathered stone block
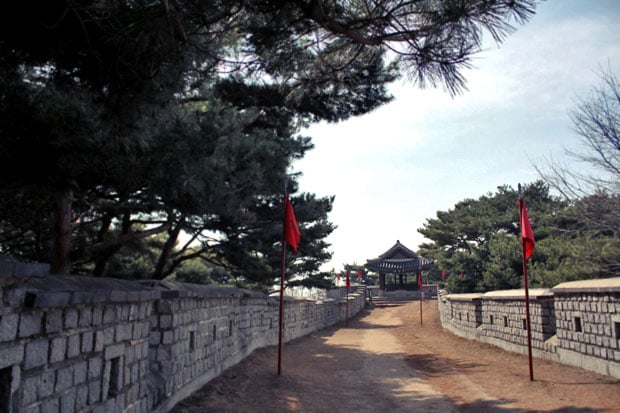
column 64, row 378
column 53, row 321
column 15, row 296
column 108, row 335
column 51, row 406
column 134, row 312
column 123, row 332
column 165, row 321
column 36, row 353
column 95, row 368
column 97, row 315
column 80, row 372
column 114, row 351
column 8, row 326
column 109, row 314
column 29, row 388
column 125, row 312
column 67, row 401
column 167, row 337
column 87, row 342
column 99, row 341
column 81, row 397
column 94, row 392
column 73, row 346
column 47, row 382
column 155, row 338
column 58, row 349
column 86, row 317
column 30, row 324
column 71, row 318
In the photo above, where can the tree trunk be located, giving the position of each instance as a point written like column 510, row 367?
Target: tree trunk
column 173, row 236
column 62, row 231
column 104, row 256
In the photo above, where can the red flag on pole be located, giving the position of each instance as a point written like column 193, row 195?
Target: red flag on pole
column 443, row 275
column 420, row 280
column 461, row 275
column 338, row 276
column 348, row 280
column 527, row 246
column 291, row 230
column 359, row 275
column 526, row 231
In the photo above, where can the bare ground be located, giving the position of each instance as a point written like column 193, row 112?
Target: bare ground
column 384, row 360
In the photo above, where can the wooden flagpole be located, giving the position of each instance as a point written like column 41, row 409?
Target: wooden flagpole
column 282, row 276
column 527, row 295
column 346, row 320
column 420, row 293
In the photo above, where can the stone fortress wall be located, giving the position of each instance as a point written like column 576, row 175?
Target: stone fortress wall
column 575, row 323
column 82, row 344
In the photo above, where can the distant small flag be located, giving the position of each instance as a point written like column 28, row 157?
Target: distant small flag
column 420, row 279
column 443, row 275
column 348, row 280
column 461, row 275
column 338, row 276
column 359, row 275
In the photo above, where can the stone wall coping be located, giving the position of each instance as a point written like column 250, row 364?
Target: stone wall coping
column 10, row 267
column 62, row 290
column 464, row 297
column 603, row 285
column 175, row 289
column 519, row 294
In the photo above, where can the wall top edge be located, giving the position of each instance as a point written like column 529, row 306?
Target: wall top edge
column 602, row 285
column 63, row 290
column 533, row 293
column 464, row 297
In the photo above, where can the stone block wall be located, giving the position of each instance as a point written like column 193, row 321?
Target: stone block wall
column 82, row 344
column 575, row 323
column 69, row 346
column 505, row 321
column 588, row 324
column 461, row 313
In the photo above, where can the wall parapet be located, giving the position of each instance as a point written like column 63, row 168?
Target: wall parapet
column 85, row 344
column 575, row 323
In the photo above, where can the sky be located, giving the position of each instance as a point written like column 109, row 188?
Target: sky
column 392, row 169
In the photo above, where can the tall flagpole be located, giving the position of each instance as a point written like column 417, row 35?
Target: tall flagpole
column 527, row 295
column 346, row 318
column 282, row 276
column 420, row 293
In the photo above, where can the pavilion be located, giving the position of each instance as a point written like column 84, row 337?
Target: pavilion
column 399, row 261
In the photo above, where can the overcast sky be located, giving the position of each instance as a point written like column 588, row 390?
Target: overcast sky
column 394, row 168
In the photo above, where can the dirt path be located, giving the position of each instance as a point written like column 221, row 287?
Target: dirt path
column 385, row 361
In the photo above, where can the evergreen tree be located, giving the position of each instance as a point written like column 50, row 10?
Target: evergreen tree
column 141, row 118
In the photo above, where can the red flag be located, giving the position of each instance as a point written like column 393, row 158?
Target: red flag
column 348, row 280
column 338, row 276
column 527, row 235
column 359, row 275
column 291, row 230
column 461, row 276
column 443, row 275
column 420, row 280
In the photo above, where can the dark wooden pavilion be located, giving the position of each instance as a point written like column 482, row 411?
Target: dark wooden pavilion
column 399, row 261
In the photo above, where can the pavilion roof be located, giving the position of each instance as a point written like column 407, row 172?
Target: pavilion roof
column 398, row 259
